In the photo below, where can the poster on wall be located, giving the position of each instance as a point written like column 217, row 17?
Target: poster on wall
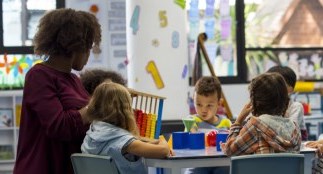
column 117, row 44
column 98, row 56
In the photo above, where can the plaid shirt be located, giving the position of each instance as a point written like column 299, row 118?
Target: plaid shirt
column 258, row 137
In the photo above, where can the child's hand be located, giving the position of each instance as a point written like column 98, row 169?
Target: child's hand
column 312, row 144
column 222, row 146
column 163, row 142
column 171, row 152
column 244, row 113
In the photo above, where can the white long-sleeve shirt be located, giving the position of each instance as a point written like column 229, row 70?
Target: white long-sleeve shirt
column 295, row 112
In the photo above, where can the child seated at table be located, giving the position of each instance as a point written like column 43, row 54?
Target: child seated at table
column 114, row 132
column 207, row 99
column 267, row 130
column 93, row 77
column 295, row 110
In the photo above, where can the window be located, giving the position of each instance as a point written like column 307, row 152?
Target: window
column 19, row 20
column 220, row 21
column 287, row 33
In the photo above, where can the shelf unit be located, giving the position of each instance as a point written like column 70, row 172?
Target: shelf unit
column 10, row 105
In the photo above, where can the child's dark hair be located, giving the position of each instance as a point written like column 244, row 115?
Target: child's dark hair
column 288, row 74
column 94, row 77
column 111, row 103
column 208, row 85
column 268, row 94
column 63, row 32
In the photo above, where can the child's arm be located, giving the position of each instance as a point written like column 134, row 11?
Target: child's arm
column 148, row 140
column 240, row 140
column 314, row 144
column 148, row 150
column 296, row 113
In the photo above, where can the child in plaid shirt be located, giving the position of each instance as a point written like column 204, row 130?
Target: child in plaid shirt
column 267, row 130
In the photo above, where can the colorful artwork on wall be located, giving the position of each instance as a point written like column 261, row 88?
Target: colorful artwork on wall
column 13, row 69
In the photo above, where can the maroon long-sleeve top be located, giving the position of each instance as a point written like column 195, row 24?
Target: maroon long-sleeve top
column 51, row 128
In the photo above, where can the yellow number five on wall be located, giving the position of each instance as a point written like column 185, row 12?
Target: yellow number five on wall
column 152, row 69
column 163, row 18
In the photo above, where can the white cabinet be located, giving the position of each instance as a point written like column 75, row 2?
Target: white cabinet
column 10, row 109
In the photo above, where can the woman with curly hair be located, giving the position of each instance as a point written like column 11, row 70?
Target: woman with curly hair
column 267, row 130
column 53, row 106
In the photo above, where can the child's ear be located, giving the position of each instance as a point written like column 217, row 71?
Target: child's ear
column 290, row 89
column 220, row 103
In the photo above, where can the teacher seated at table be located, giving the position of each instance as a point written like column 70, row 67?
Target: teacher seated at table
column 266, row 131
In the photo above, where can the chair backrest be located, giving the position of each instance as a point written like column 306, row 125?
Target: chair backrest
column 93, row 164
column 275, row 163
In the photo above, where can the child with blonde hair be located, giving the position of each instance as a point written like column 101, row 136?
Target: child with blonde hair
column 114, row 132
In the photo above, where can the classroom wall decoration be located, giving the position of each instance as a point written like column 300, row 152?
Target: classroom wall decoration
column 153, row 70
column 13, row 69
column 157, row 51
column 111, row 14
column 217, row 20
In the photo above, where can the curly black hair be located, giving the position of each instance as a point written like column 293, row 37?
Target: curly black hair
column 94, row 77
column 62, row 32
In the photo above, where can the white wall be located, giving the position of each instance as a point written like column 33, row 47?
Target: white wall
column 169, row 61
column 237, row 96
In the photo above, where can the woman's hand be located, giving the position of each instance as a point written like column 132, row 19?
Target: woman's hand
column 244, row 113
column 83, row 114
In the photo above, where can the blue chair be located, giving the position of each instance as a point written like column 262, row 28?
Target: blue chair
column 275, row 163
column 90, row 164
